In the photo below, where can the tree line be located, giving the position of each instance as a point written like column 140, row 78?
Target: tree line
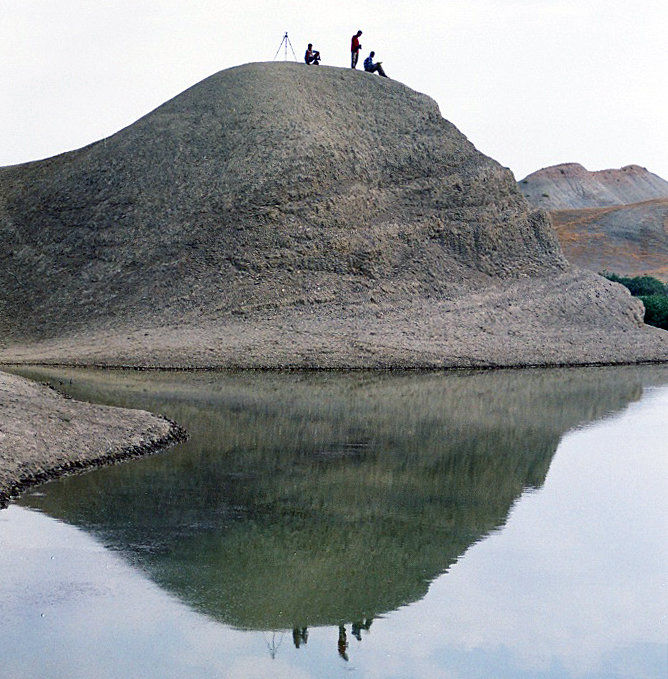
column 651, row 291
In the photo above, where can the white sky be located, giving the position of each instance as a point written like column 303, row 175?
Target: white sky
column 532, row 83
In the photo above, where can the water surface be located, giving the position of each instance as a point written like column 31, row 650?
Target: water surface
column 508, row 524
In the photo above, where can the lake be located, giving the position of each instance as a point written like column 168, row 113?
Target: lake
column 501, row 524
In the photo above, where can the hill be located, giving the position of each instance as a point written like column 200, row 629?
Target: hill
column 611, row 220
column 281, row 215
column 631, row 240
column 571, row 186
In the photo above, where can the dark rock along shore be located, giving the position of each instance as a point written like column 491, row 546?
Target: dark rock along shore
column 276, row 215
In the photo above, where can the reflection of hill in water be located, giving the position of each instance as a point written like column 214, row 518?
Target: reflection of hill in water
column 321, row 499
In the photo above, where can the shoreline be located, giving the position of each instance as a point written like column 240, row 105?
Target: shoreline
column 301, row 368
column 522, row 323
column 45, row 435
column 106, row 435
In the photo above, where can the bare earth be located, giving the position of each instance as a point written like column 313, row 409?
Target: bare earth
column 630, row 240
column 276, row 215
column 500, row 327
column 44, row 434
column 610, row 220
column 570, row 186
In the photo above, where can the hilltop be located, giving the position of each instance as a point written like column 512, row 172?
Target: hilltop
column 282, row 215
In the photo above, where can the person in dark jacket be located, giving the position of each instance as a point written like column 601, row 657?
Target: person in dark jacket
column 312, row 56
column 370, row 67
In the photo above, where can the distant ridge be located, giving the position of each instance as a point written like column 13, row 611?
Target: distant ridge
column 278, row 215
column 570, row 186
column 631, row 240
column 610, row 220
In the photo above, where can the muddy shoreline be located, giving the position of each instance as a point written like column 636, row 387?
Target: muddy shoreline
column 298, row 368
column 45, row 435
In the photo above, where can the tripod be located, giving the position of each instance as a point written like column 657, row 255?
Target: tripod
column 286, row 42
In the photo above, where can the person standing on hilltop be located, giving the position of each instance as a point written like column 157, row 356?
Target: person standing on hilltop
column 370, row 67
column 355, row 48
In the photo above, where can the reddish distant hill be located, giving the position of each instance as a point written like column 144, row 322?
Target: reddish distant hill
column 630, row 240
column 610, row 220
column 571, row 186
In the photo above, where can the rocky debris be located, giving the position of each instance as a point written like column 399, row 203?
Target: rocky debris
column 44, row 435
column 278, row 215
column 570, row 186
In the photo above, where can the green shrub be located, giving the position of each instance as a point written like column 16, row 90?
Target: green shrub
column 656, row 310
column 611, row 276
column 639, row 285
column 646, row 286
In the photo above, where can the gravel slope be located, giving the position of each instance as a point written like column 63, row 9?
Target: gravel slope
column 277, row 214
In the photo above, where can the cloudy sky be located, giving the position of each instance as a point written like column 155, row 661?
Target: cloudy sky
column 532, row 83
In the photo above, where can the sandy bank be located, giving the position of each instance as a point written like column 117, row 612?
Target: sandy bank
column 44, row 435
column 528, row 322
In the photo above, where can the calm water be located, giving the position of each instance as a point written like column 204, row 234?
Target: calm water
column 509, row 524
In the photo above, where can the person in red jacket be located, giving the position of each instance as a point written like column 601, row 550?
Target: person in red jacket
column 355, row 48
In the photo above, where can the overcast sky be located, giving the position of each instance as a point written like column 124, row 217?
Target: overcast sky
column 531, row 83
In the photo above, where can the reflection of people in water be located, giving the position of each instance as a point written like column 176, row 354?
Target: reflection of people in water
column 357, row 628
column 300, row 636
column 343, row 643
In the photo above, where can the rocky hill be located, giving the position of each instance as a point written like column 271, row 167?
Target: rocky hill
column 611, row 220
column 571, row 186
column 277, row 214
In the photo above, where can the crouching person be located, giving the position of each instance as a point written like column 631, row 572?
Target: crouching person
column 312, row 56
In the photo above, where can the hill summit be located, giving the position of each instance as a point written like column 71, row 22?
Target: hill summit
column 570, row 186
column 278, row 214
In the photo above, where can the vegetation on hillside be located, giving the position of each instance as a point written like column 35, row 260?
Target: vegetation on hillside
column 656, row 310
column 653, row 294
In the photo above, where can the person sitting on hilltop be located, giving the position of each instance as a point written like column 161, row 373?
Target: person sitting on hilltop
column 370, row 67
column 312, row 56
